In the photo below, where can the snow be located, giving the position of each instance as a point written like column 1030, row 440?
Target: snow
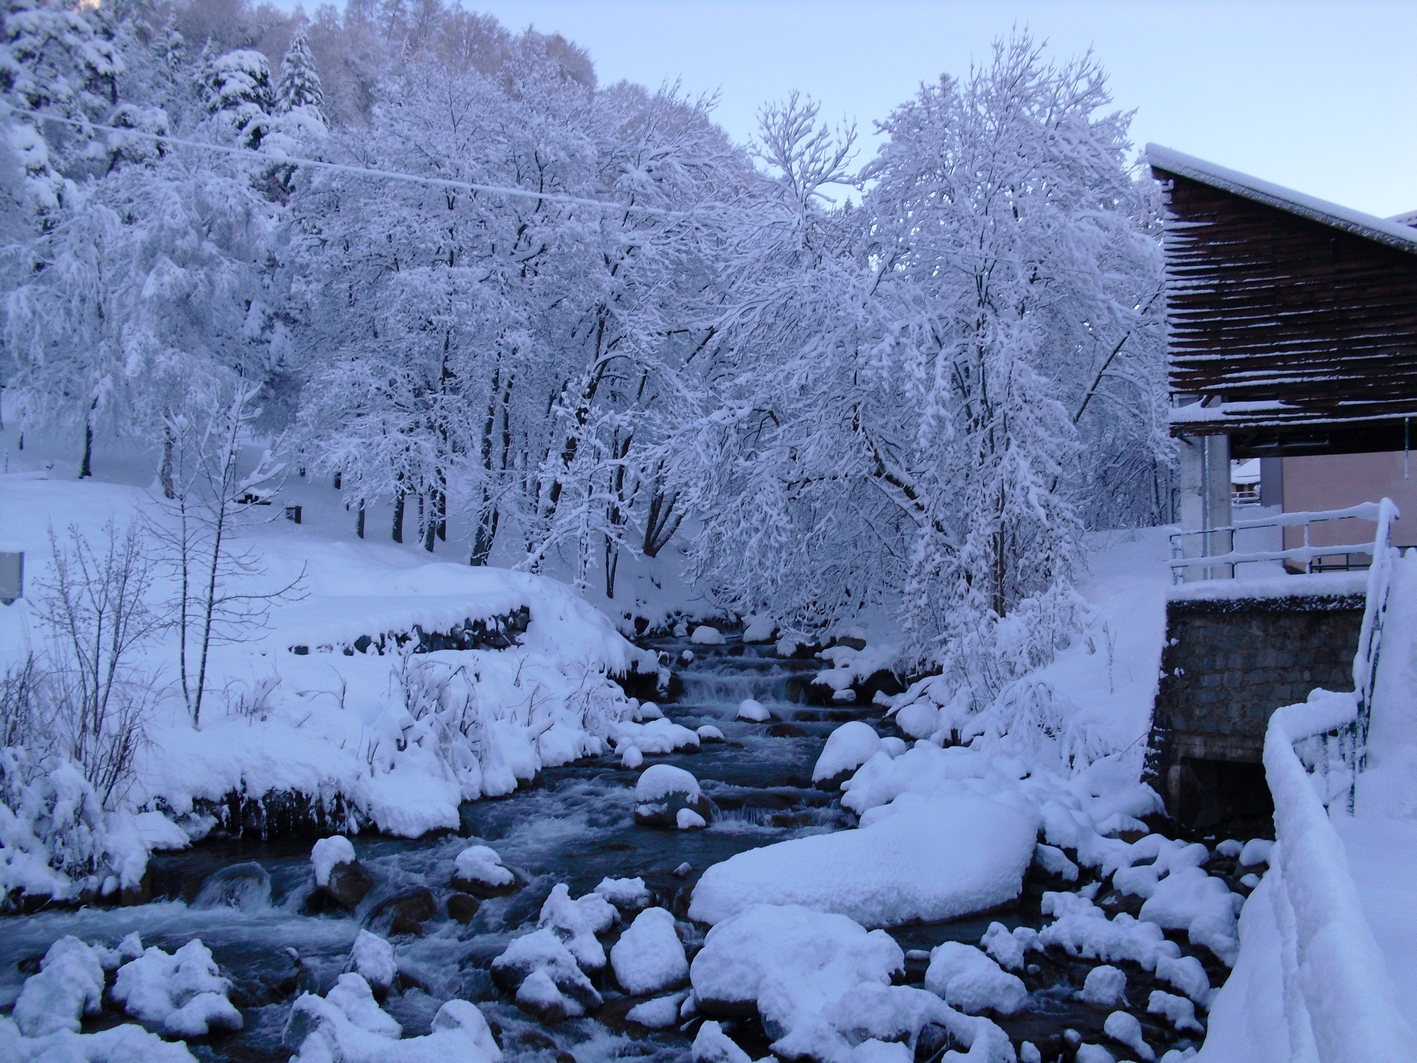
column 933, row 859
column 327, row 854
column 758, row 628
column 181, row 991
column 753, row 711
column 1317, row 584
column 624, row 893
column 659, row 1013
column 482, row 865
column 649, row 956
column 372, row 958
column 1007, row 948
column 540, row 995
column 631, row 758
column 1255, row 851
column 848, row 747
column 705, row 635
column 1105, row 986
column 969, row 980
column 1202, row 905
column 709, row 733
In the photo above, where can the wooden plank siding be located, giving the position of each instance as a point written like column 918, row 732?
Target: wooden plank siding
column 1300, row 332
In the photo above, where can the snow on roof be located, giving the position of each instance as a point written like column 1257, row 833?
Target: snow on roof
column 1392, row 232
column 1409, row 219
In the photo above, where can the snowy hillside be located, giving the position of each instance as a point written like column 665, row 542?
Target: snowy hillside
column 319, row 699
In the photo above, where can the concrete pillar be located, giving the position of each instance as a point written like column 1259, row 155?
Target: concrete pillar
column 1205, row 502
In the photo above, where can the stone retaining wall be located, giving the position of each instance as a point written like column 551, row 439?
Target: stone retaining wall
column 1227, row 665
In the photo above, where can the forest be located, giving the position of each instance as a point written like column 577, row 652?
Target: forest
column 532, row 321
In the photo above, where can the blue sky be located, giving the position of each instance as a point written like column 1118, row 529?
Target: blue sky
column 1321, row 97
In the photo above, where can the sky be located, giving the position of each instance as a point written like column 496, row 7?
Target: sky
column 1315, row 96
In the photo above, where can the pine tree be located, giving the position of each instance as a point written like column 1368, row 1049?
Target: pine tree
column 299, row 81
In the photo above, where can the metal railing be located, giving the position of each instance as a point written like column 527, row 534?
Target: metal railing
column 1308, row 554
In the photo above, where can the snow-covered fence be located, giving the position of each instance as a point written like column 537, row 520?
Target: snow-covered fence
column 1365, row 663
column 1383, row 513
column 1339, row 1002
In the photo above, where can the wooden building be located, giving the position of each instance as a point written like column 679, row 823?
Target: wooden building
column 1293, row 338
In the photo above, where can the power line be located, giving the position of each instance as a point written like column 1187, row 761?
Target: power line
column 356, row 171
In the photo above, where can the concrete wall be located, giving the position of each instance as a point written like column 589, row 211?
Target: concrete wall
column 1337, row 481
column 1228, row 665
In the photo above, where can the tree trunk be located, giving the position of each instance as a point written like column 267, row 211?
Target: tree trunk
column 430, row 526
column 86, row 468
column 398, row 516
column 359, row 520
column 168, row 491
column 612, row 563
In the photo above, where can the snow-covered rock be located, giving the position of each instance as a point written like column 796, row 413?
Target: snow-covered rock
column 709, row 733
column 540, row 997
column 930, row 860
column 69, row 986
column 758, row 628
column 627, row 894
column 372, row 958
column 654, row 738
column 788, row 962
column 969, row 980
column 1187, row 974
column 1105, row 986
column 752, row 710
column 1178, row 1011
column 631, row 757
column 326, row 853
column 649, row 956
column 1256, row 851
column 662, row 792
column 479, row 870
column 1125, row 1029
column 543, row 950
column 712, row 1045
column 1007, row 948
column 1201, row 904
column 1083, row 929
column 319, row 1030
column 659, row 1013
column 706, row 635
column 577, row 922
column 848, row 747
column 182, row 991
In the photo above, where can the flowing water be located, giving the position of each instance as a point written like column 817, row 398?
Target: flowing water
column 247, row 900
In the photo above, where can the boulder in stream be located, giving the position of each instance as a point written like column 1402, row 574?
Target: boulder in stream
column 407, row 911
column 340, row 880
column 662, row 792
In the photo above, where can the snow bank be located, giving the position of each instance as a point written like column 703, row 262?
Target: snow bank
column 128, row 1043
column 935, row 859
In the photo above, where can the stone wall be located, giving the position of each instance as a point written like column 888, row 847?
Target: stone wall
column 1227, row 665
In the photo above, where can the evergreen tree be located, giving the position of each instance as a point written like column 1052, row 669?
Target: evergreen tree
column 299, row 81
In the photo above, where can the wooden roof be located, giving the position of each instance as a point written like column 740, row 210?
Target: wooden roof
column 1293, row 320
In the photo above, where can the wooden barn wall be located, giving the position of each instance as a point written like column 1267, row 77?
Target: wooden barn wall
column 1265, row 305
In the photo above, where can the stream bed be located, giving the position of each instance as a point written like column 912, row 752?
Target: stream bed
column 247, row 900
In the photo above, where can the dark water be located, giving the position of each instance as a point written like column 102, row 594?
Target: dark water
column 575, row 826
